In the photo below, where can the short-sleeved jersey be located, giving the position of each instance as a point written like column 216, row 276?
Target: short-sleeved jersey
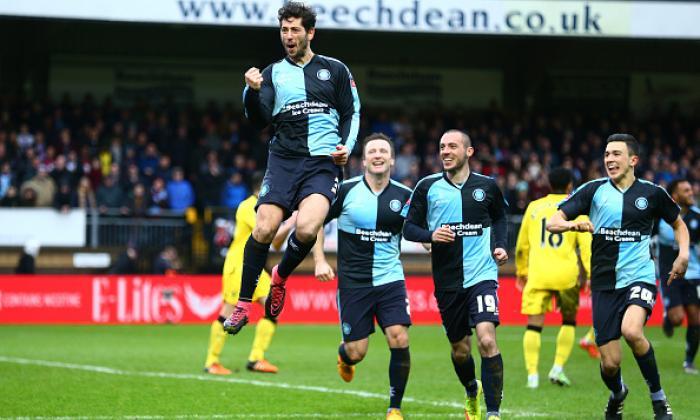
column 470, row 210
column 549, row 260
column 623, row 222
column 312, row 108
column 667, row 248
column 369, row 233
column 245, row 223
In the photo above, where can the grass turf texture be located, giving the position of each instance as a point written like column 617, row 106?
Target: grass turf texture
column 156, row 371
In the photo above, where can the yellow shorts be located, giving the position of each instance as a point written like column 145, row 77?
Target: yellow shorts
column 232, row 286
column 539, row 301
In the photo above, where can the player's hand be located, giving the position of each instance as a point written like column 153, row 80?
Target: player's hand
column 520, row 282
column 443, row 234
column 253, row 78
column 340, row 156
column 584, row 226
column 324, row 272
column 680, row 265
column 500, row 255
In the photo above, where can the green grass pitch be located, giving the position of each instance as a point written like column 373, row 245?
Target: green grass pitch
column 156, row 372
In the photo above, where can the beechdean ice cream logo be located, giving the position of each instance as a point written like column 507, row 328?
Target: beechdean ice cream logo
column 479, row 194
column 641, row 203
column 323, row 74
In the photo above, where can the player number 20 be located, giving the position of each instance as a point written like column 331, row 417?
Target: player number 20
column 554, row 239
column 486, row 300
column 638, row 292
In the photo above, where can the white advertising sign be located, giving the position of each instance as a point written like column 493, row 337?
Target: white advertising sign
column 626, row 19
column 48, row 226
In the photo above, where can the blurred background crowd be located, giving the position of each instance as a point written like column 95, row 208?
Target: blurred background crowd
column 145, row 160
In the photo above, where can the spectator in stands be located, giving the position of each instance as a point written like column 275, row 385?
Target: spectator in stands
column 85, row 196
column 127, row 261
column 43, row 185
column 11, row 197
column 27, row 260
column 158, row 197
column 139, row 202
column 167, row 262
column 180, row 192
column 109, row 195
column 234, row 191
column 7, row 178
column 65, row 198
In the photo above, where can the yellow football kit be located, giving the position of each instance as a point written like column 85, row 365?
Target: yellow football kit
column 549, row 260
column 233, row 265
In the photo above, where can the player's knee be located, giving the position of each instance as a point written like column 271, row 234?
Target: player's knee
column 676, row 318
column 632, row 334
column 355, row 353
column 265, row 232
column 397, row 339
column 306, row 233
column 610, row 366
column 487, row 344
column 460, row 352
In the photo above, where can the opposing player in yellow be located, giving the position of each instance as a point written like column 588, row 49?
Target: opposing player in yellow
column 547, row 265
column 231, row 279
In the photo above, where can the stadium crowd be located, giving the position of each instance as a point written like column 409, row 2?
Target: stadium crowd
column 141, row 160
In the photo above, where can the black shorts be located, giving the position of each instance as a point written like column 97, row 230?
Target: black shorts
column 358, row 307
column 288, row 180
column 609, row 307
column 461, row 310
column 680, row 292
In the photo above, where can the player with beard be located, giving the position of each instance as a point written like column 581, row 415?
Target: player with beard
column 458, row 212
column 311, row 103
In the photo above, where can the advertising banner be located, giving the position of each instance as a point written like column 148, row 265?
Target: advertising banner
column 196, row 299
column 48, row 226
column 627, row 19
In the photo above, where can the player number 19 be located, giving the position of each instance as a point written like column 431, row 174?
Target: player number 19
column 490, row 302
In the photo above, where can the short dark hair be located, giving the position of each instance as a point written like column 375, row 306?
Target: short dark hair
column 632, row 144
column 378, row 136
column 256, row 180
column 293, row 10
column 465, row 137
column 673, row 186
column 559, row 179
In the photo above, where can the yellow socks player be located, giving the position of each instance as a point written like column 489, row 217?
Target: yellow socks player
column 217, row 339
column 531, row 346
column 565, row 343
column 263, row 336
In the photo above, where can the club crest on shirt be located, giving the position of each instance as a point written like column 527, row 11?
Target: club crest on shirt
column 323, row 74
column 641, row 203
column 693, row 224
column 395, row 205
column 264, row 189
column 479, row 194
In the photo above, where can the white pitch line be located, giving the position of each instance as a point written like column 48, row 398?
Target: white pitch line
column 253, row 382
